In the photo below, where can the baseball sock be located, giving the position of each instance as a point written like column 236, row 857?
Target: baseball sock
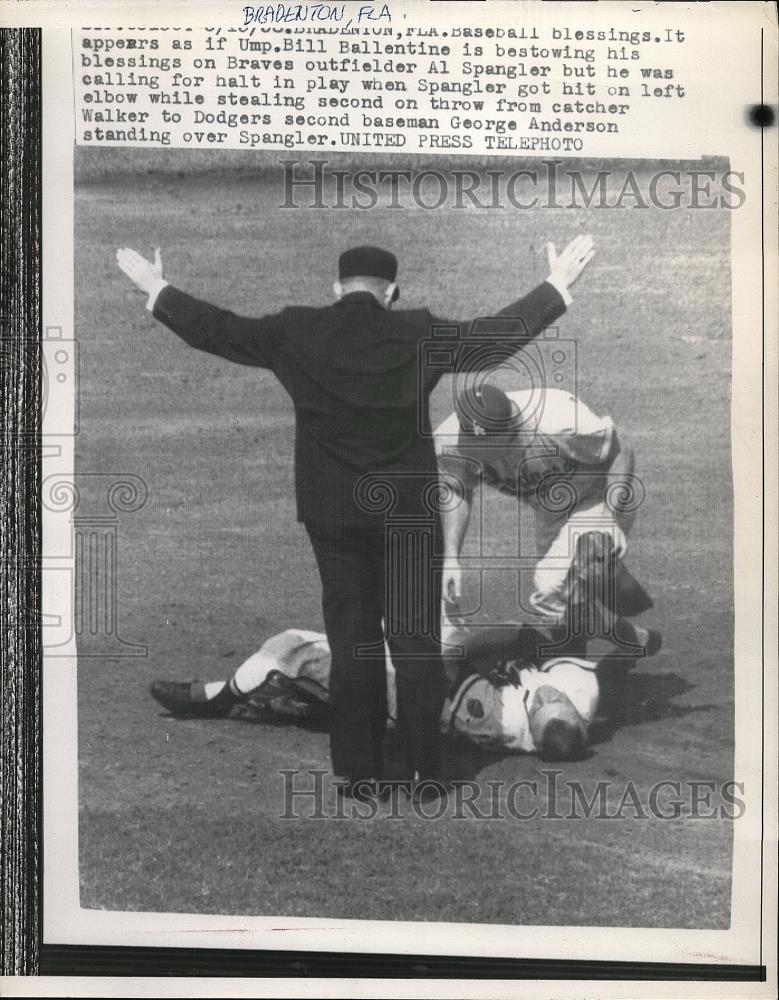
column 252, row 673
column 221, row 692
column 247, row 678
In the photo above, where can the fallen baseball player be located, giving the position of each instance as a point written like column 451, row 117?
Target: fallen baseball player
column 512, row 688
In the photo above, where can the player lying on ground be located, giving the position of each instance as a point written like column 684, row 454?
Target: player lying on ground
column 546, row 448
column 352, row 370
column 511, row 688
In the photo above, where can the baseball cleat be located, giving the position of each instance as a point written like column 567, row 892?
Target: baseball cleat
column 599, row 586
column 646, row 642
column 176, row 697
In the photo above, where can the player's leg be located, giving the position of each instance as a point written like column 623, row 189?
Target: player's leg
column 282, row 658
column 550, row 529
column 351, row 605
column 604, row 504
column 582, row 532
column 213, row 699
column 622, row 491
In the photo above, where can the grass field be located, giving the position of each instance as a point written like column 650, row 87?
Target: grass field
column 183, row 816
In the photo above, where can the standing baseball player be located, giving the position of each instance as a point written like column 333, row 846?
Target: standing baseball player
column 352, row 370
column 548, row 449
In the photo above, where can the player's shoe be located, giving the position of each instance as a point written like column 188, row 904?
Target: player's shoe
column 599, row 588
column 646, row 641
column 177, row 698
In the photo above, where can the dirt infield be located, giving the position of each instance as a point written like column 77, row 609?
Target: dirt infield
column 184, row 816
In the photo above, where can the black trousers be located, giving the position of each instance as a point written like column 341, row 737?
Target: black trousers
column 378, row 582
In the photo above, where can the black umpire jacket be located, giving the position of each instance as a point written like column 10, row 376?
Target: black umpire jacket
column 360, row 378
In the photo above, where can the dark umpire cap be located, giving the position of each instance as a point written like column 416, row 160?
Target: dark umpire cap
column 368, row 262
column 485, row 408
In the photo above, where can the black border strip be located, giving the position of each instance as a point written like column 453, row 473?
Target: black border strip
column 20, row 523
column 66, row 960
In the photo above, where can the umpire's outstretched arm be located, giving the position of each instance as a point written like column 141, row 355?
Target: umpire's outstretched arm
column 246, row 341
column 525, row 318
column 254, row 341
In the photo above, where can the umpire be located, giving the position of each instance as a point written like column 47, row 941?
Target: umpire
column 354, row 375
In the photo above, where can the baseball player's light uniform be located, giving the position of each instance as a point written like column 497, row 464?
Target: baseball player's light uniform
column 557, row 458
column 501, row 710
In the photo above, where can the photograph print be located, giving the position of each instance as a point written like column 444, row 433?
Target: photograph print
column 404, row 538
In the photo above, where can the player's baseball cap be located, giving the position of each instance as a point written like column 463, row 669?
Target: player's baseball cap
column 485, row 408
column 558, row 731
column 368, row 261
